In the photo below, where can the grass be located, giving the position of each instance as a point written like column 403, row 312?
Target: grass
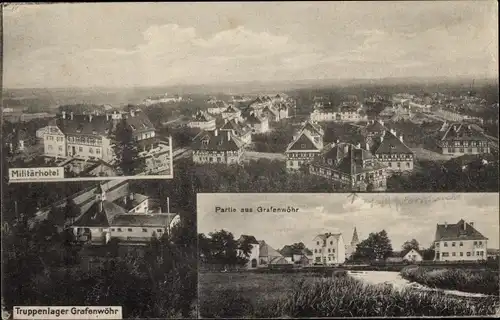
column 466, row 280
column 270, row 295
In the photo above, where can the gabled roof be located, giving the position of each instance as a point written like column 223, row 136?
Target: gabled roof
column 278, row 260
column 130, row 203
column 355, row 238
column 85, row 124
column 248, row 239
column 139, row 122
column 303, row 142
column 313, row 128
column 266, row 250
column 391, row 144
column 239, row 128
column 231, row 109
column 375, row 127
column 255, row 119
column 457, row 232
column 201, row 116
column 347, row 158
column 460, row 131
column 325, row 236
column 99, row 215
column 405, row 252
column 216, row 142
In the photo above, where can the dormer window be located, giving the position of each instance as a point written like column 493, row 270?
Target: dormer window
column 330, row 161
column 205, row 141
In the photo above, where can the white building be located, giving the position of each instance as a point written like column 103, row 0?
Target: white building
column 203, row 121
column 412, row 256
column 257, row 123
column 459, row 242
column 328, row 248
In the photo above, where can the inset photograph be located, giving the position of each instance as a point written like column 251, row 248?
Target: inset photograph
column 86, row 142
column 125, row 243
column 348, row 255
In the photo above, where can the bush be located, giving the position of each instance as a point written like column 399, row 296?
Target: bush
column 474, row 281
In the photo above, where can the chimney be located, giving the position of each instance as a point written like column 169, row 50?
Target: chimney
column 333, row 144
column 446, row 224
column 90, row 118
column 216, row 132
column 367, row 146
column 465, row 226
column 228, row 135
column 346, row 148
column 64, row 114
column 125, row 200
column 358, row 146
column 131, row 196
column 401, row 138
column 107, row 116
column 471, row 224
column 132, row 113
column 225, row 120
column 382, row 138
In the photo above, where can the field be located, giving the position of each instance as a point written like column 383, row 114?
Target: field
column 466, row 280
column 252, row 295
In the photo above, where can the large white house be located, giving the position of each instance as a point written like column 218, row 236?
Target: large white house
column 328, row 248
column 305, row 146
column 459, row 242
column 123, row 215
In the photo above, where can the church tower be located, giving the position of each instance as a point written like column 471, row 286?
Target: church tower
column 355, row 239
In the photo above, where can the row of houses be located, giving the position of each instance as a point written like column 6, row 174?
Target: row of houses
column 346, row 112
column 452, row 242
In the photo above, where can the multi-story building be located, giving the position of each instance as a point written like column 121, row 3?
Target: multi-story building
column 123, row 215
column 217, row 147
column 238, row 129
column 257, row 123
column 460, row 139
column 89, row 137
column 459, row 242
column 328, row 248
column 390, row 150
column 231, row 112
column 203, row 121
column 217, row 107
column 305, row 146
column 350, row 166
column 345, row 113
column 261, row 253
column 276, row 112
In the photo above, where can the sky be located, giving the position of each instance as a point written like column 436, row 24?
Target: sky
column 158, row 44
column 403, row 216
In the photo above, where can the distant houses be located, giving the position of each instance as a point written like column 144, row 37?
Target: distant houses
column 460, row 139
column 261, row 254
column 347, row 112
column 202, row 120
column 257, row 123
column 391, row 151
column 328, row 249
column 459, row 242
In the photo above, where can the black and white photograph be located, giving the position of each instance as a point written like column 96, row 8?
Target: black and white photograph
column 340, row 255
column 249, row 159
column 261, row 97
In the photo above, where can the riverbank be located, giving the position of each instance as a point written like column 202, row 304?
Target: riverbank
column 250, row 295
column 473, row 281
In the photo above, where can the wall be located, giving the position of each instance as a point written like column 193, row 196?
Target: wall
column 468, row 246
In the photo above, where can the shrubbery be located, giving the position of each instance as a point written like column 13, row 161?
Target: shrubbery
column 475, row 281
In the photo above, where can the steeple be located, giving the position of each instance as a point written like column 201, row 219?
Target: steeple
column 355, row 239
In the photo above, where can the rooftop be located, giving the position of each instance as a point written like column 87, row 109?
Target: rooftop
column 459, row 231
column 216, row 140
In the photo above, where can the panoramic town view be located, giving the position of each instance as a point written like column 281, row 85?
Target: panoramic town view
column 237, row 159
column 340, row 255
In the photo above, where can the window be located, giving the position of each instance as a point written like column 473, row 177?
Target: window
column 470, row 150
column 461, row 244
column 317, row 243
column 319, row 250
column 112, row 229
column 446, row 244
column 329, row 258
column 462, row 150
column 119, row 229
column 331, row 243
column 303, row 145
column 477, row 253
column 50, row 147
column 481, row 253
column 129, row 229
column 333, row 250
column 445, row 254
column 475, row 243
column 97, row 151
column 399, row 164
column 461, row 254
column 159, row 230
column 453, row 244
column 100, row 229
column 315, row 251
column 389, row 164
column 450, row 150
column 480, row 243
column 453, row 254
column 468, row 254
column 91, row 150
column 144, row 230
column 80, row 149
column 329, row 250
column 437, row 244
column 407, row 164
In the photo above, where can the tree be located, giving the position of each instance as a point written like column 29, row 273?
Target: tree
column 376, row 247
column 126, row 150
column 409, row 245
column 429, row 253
